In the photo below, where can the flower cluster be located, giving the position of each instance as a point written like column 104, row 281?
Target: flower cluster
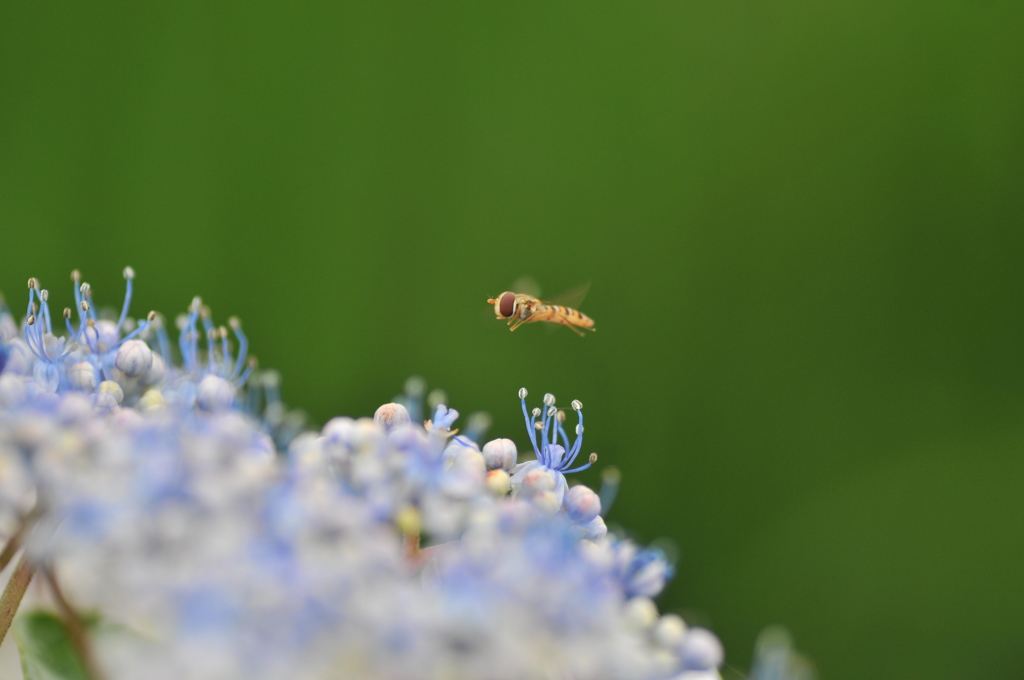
column 177, row 497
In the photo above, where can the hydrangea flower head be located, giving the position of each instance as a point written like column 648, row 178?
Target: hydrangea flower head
column 173, row 493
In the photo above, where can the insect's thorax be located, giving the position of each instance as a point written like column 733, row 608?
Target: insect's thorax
column 528, row 306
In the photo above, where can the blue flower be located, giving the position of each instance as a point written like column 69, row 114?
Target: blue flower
column 182, row 499
column 544, row 478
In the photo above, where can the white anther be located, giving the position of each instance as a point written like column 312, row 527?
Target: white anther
column 151, row 317
column 415, row 387
column 84, row 288
column 436, row 398
column 67, row 312
column 549, row 399
column 522, row 393
column 536, row 412
column 84, row 306
column 271, row 379
column 576, row 405
column 33, row 283
column 76, row 275
column 235, row 323
column 593, row 458
column 44, row 295
column 197, row 302
column 31, row 320
column 561, row 416
column 129, row 273
column 551, row 411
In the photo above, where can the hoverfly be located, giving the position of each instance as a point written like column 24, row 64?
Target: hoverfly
column 520, row 308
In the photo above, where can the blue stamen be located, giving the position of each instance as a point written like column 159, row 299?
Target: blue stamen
column 141, row 329
column 243, row 347
column 240, row 380
column 610, row 478
column 129, row 275
column 578, row 444
column 210, row 334
column 565, row 438
column 43, row 295
column 531, row 428
column 75, row 278
column 164, row 342
column 225, row 352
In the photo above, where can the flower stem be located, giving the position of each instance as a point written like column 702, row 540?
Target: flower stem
column 14, row 544
column 75, row 629
column 15, row 590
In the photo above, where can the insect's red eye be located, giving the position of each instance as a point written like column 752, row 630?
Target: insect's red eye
column 507, row 304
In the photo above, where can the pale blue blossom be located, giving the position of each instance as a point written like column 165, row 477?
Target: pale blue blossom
column 179, row 498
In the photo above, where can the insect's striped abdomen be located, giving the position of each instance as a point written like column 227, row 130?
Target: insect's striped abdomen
column 572, row 316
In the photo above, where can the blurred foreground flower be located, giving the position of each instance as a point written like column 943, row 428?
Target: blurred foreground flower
column 178, row 499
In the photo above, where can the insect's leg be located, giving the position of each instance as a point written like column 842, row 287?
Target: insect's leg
column 560, row 318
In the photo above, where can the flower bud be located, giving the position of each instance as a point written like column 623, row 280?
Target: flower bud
column 134, row 358
column 498, row 482
column 582, row 504
column 82, row 376
column 500, row 454
column 596, row 529
column 151, row 400
column 390, row 416
column 701, row 650
column 409, row 521
column 640, row 613
column 113, row 389
column 670, row 631
column 539, row 480
column 214, row 393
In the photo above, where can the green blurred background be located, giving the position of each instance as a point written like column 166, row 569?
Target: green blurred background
column 802, row 223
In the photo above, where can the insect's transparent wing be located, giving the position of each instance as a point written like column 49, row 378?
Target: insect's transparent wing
column 572, row 297
column 526, row 285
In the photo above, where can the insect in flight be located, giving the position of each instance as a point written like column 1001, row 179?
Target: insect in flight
column 520, row 308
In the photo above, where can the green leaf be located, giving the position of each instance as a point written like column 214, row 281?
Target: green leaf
column 46, row 649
